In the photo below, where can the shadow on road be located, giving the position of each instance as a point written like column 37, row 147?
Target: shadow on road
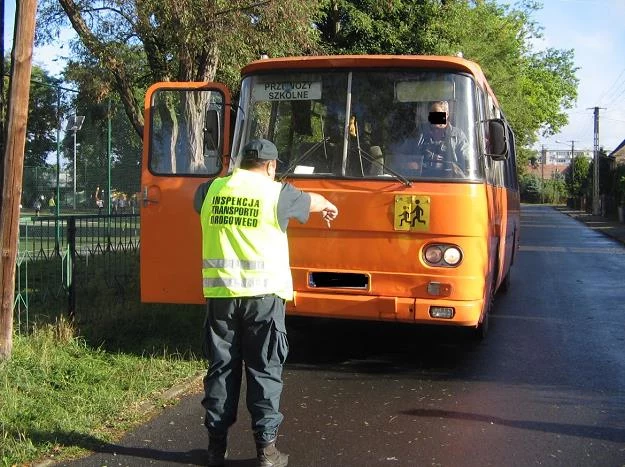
column 377, row 347
column 584, row 431
column 98, row 446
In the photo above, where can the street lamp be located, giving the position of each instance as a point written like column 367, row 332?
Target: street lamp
column 74, row 123
column 543, row 159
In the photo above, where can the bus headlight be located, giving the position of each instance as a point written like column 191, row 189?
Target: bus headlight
column 433, row 254
column 442, row 255
column 452, row 256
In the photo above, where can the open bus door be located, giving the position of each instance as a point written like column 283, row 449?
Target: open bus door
column 185, row 142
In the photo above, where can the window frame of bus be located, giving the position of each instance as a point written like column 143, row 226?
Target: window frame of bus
column 444, row 90
column 220, row 128
column 498, row 142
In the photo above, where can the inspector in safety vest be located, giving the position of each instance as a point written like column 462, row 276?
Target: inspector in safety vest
column 245, row 252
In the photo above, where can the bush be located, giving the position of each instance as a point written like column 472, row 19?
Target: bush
column 530, row 188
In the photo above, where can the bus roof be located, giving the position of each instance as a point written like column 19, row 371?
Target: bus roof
column 370, row 61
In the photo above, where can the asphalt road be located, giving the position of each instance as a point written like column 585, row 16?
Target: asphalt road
column 546, row 387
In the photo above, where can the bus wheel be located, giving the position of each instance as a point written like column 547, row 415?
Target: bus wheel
column 482, row 328
column 505, row 283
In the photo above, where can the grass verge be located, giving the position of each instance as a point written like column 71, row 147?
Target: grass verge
column 61, row 396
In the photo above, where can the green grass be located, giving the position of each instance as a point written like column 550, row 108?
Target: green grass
column 69, row 388
column 61, row 395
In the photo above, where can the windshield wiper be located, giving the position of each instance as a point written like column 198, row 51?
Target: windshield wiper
column 362, row 152
column 386, row 168
column 302, row 157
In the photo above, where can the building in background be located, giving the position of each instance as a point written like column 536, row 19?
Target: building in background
column 555, row 163
column 619, row 153
column 564, row 156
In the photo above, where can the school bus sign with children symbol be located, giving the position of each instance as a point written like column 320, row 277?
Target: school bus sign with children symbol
column 412, row 213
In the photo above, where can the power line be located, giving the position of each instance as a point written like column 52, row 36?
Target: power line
column 581, row 111
column 615, row 85
column 614, row 95
column 616, row 98
column 614, row 119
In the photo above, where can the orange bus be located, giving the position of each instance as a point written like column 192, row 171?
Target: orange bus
column 428, row 226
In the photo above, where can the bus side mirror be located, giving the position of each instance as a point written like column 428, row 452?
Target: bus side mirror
column 212, row 131
column 497, row 147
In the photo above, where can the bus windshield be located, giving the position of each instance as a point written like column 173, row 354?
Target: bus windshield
column 364, row 123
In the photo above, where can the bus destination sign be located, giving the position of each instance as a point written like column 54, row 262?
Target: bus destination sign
column 287, row 91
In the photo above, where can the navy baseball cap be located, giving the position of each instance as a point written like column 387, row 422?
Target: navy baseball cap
column 260, row 149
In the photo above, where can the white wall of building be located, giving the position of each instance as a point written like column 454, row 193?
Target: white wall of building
column 563, row 156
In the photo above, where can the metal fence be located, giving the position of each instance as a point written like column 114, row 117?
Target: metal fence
column 40, row 186
column 80, row 266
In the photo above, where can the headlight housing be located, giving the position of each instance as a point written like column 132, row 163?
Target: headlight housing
column 442, row 255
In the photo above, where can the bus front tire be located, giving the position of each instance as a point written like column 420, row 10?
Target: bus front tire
column 505, row 283
column 480, row 332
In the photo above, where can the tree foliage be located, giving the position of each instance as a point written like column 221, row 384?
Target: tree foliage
column 134, row 43
column 616, row 184
column 554, row 191
column 42, row 116
column 530, row 187
column 100, row 107
column 93, row 157
column 124, row 46
column 392, row 27
column 579, row 178
column 534, row 88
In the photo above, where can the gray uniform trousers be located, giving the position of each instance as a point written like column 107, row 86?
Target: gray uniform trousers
column 250, row 330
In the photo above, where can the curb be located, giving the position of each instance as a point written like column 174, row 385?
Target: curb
column 146, row 407
column 606, row 226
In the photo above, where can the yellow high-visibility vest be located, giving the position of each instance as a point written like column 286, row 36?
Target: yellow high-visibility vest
column 245, row 252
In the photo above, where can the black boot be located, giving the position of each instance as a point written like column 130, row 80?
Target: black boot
column 217, row 450
column 269, row 456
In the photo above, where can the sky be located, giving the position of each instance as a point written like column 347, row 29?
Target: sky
column 594, row 29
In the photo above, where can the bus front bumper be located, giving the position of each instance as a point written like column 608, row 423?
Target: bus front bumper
column 378, row 308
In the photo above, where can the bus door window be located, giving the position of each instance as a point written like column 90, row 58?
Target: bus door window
column 179, row 132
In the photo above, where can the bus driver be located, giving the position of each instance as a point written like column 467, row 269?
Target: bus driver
column 439, row 145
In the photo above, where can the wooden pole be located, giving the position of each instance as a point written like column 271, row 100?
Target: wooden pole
column 19, row 90
column 2, row 85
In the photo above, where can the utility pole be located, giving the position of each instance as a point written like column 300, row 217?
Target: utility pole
column 19, row 91
column 596, row 208
column 2, row 103
column 2, row 134
column 573, row 164
column 543, row 159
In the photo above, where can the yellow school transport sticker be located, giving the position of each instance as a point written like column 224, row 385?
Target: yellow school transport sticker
column 412, row 213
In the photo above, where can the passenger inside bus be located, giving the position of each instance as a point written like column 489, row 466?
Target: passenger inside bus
column 436, row 148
